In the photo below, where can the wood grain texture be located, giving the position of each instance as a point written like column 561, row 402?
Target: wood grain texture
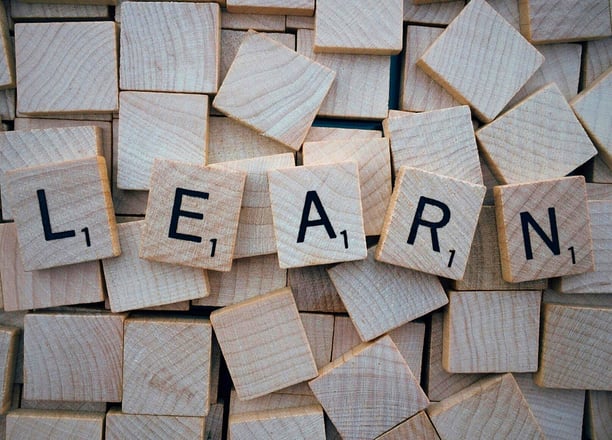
column 285, row 424
column 258, row 22
column 599, row 191
column 541, row 21
column 575, row 351
column 432, row 14
column 376, row 372
column 52, row 79
column 361, row 27
column 601, row 172
column 273, row 90
column 63, row 405
column 278, row 7
column 78, row 197
column 563, row 200
column 361, row 87
column 598, row 58
column 374, row 163
column 417, row 426
column 120, row 426
column 599, row 410
column 586, row 299
column 439, row 141
column 345, row 336
column 7, row 104
column 270, row 402
column 220, row 213
column 15, row 319
column 313, row 290
column 316, row 134
column 54, row 425
column 491, row 331
column 23, row 10
column 155, row 38
column 394, row 295
column 269, row 326
column 493, row 407
column 509, row 9
column 8, row 357
column 299, row 22
column 153, row 126
column 462, row 199
column 7, row 63
column 481, row 60
column 74, row 356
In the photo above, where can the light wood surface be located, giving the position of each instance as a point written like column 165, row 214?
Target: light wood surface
column 258, row 22
column 417, row 426
column 8, row 357
column 599, row 191
column 120, row 426
column 23, row 10
column 598, row 58
column 600, row 406
column 509, row 9
column 313, row 290
column 285, row 424
column 270, row 402
column 432, row 14
column 54, row 425
column 63, row 405
column 585, row 299
column 15, row 319
column 345, row 336
column 316, row 134
column 278, row 7
column 7, row 63
column 299, row 22
column 601, row 172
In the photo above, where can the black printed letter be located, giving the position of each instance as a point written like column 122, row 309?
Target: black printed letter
column 552, row 243
column 313, row 198
column 434, row 226
column 46, row 221
column 177, row 212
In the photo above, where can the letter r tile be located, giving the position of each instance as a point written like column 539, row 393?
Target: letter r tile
column 192, row 215
column 430, row 223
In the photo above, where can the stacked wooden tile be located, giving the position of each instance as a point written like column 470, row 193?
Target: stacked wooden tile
column 300, row 219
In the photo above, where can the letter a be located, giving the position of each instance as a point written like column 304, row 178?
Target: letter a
column 312, row 198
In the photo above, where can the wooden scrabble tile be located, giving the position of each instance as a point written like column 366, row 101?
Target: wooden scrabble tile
column 293, row 423
column 22, row 10
column 409, row 340
column 599, row 191
column 598, row 414
column 15, row 319
column 418, row 91
column 509, row 9
column 447, row 207
column 313, row 290
column 438, row 141
column 8, row 358
column 394, row 296
column 74, row 284
column 265, row 71
column 575, row 353
column 7, row 64
column 54, row 425
column 527, row 143
column 82, row 79
column 73, row 356
column 483, row 270
column 586, row 20
column 417, row 426
column 270, row 402
column 601, row 172
column 433, row 13
column 152, row 126
column 374, row 162
column 558, row 412
column 376, row 372
column 7, row 104
column 270, row 326
column 28, row 148
column 155, row 38
column 345, row 336
column 258, row 22
column 361, row 87
column 71, row 201
column 135, row 283
column 166, row 366
column 120, row 426
column 481, row 60
column 598, row 58
column 361, row 27
column 491, row 407
column 331, row 234
column 299, row 22
column 544, row 229
column 491, row 331
column 279, row 7
column 209, row 197
column 316, row 134
column 63, row 405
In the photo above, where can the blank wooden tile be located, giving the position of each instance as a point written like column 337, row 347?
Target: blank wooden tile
column 316, row 134
column 120, row 426
column 393, row 297
column 544, row 229
column 433, row 13
column 77, row 221
column 292, row 423
column 575, row 352
column 598, row 58
column 75, row 356
column 299, row 22
column 152, row 126
column 270, row 402
column 331, row 234
column 489, row 408
column 528, row 143
column 481, row 60
column 598, row 413
column 313, row 290
column 509, row 9
column 601, row 172
column 8, row 358
column 192, row 215
column 264, row 344
column 7, row 63
column 417, row 426
column 345, row 336
column 420, row 199
column 362, row 27
column 82, row 79
column 54, row 425
column 156, row 38
column 264, row 72
column 63, row 405
column 599, row 191
column 374, row 161
column 585, row 20
column 280, row 7
column 258, row 22
column 166, row 366
column 23, row 10
column 374, row 372
column 361, row 87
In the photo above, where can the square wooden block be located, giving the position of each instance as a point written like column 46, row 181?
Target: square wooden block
column 371, row 372
column 121, row 426
column 394, row 297
column 374, row 161
column 63, row 213
column 527, row 143
column 171, row 126
column 273, row 90
column 430, row 223
column 304, row 422
column 166, row 366
column 417, row 426
column 158, row 37
column 280, row 7
column 73, row 356
column 264, row 344
column 8, row 358
column 81, row 79
column 544, row 229
column 360, row 27
column 54, row 425
column 135, row 283
column 492, row 331
column 481, row 60
column 192, row 215
column 317, row 214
